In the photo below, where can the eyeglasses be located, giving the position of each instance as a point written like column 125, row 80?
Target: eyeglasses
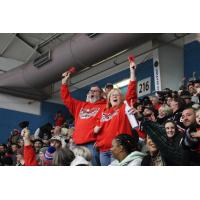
column 94, row 91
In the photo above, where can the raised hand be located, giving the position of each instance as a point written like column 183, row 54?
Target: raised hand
column 25, row 133
column 132, row 65
column 97, row 129
column 65, row 78
column 196, row 134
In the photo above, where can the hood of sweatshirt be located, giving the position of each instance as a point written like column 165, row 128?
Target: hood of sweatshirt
column 131, row 157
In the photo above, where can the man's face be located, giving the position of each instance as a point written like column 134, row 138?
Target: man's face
column 187, row 100
column 191, row 89
column 37, row 145
column 148, row 114
column 197, row 87
column 188, row 117
column 94, row 94
column 14, row 147
column 108, row 89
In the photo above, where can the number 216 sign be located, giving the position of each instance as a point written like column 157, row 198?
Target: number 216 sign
column 144, row 87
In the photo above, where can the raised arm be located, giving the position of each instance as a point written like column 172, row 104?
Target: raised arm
column 158, row 135
column 71, row 103
column 131, row 95
column 132, row 66
column 29, row 153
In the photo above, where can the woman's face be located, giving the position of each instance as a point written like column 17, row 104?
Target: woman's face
column 169, row 99
column 116, row 149
column 174, row 105
column 151, row 146
column 198, row 117
column 115, row 98
column 140, row 108
column 41, row 155
column 170, row 129
column 55, row 143
column 161, row 113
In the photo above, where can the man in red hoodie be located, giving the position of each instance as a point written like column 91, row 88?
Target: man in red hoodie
column 85, row 115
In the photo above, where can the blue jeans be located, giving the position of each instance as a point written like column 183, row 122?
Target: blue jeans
column 94, row 152
column 105, row 158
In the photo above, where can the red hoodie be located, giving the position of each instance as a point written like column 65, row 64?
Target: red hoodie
column 29, row 156
column 114, row 121
column 85, row 115
column 59, row 121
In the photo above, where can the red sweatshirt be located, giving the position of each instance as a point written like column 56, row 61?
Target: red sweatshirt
column 59, row 121
column 114, row 121
column 29, row 156
column 85, row 116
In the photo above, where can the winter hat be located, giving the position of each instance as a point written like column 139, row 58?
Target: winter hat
column 56, row 137
column 43, row 150
column 49, row 153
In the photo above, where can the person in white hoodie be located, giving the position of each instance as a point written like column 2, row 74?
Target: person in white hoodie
column 83, row 156
column 124, row 150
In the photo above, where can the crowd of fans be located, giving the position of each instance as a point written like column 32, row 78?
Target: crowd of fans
column 168, row 131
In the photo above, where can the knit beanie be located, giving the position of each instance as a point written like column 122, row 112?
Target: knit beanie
column 43, row 150
column 49, row 153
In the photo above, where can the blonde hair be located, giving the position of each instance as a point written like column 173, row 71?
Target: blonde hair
column 166, row 109
column 109, row 95
column 83, row 152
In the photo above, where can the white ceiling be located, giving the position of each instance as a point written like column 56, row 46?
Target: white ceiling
column 19, row 48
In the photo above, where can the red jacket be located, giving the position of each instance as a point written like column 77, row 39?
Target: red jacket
column 59, row 121
column 114, row 121
column 29, row 156
column 85, row 116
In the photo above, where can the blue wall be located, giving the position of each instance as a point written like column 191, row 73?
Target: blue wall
column 10, row 119
column 192, row 59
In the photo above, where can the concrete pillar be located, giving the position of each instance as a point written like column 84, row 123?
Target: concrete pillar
column 168, row 67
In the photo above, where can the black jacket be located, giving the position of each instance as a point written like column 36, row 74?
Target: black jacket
column 171, row 150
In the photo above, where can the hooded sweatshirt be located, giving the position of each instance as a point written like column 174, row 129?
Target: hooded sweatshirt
column 114, row 121
column 85, row 115
column 133, row 159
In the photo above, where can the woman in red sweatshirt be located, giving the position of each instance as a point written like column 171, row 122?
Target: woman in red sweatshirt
column 113, row 120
